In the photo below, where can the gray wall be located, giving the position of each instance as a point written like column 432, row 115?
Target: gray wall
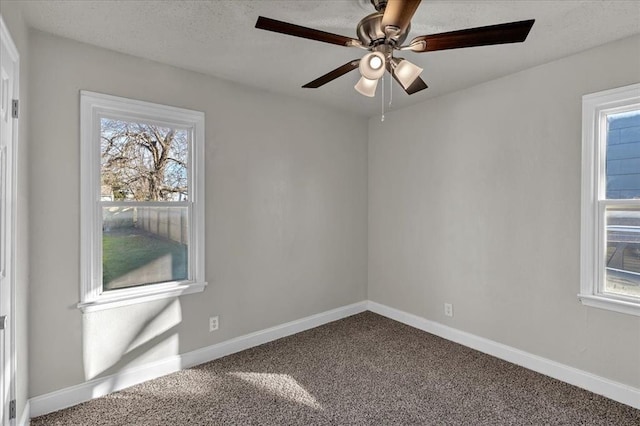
column 286, row 209
column 20, row 35
column 474, row 199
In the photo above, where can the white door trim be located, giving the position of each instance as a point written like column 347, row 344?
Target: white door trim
column 10, row 216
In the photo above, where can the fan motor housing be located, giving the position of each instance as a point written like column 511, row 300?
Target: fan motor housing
column 371, row 33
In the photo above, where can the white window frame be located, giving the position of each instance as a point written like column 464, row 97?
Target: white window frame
column 93, row 106
column 595, row 108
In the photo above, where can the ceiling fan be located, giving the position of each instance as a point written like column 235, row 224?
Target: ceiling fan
column 383, row 32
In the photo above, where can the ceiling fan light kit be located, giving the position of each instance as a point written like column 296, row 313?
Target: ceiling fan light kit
column 366, row 87
column 372, row 65
column 406, row 72
column 383, row 32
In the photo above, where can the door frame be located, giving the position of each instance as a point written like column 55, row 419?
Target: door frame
column 10, row 216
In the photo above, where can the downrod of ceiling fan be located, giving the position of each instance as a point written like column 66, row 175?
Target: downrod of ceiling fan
column 379, row 4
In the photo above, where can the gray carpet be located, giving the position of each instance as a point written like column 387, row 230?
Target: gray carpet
column 362, row 370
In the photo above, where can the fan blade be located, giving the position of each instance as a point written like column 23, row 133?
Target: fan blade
column 512, row 32
column 332, row 75
column 398, row 13
column 417, row 85
column 296, row 30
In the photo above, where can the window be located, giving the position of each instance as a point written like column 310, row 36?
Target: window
column 142, row 189
column 610, row 252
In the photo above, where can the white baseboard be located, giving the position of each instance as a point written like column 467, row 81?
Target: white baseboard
column 617, row 391
column 95, row 388
column 25, row 417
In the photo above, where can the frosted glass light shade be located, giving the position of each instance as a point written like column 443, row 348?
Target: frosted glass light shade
column 366, row 86
column 406, row 73
column 372, row 65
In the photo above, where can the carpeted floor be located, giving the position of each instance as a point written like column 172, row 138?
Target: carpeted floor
column 362, row 370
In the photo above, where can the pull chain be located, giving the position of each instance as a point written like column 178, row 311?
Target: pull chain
column 382, row 117
column 390, row 92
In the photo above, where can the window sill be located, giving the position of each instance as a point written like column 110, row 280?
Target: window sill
column 602, row 302
column 147, row 295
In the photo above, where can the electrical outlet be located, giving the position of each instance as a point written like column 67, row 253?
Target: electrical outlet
column 448, row 309
column 213, row 323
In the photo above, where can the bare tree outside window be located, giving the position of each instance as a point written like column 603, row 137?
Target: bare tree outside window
column 143, row 162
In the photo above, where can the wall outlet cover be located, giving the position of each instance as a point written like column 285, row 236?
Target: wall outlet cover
column 213, row 323
column 448, row 309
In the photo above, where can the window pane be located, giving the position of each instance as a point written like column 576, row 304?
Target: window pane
column 623, row 252
column 143, row 245
column 623, row 155
column 142, row 162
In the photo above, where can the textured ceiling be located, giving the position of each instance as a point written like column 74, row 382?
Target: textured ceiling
column 219, row 38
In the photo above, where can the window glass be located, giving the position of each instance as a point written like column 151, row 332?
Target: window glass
column 623, row 155
column 622, row 257
column 143, row 245
column 143, row 162
column 622, row 275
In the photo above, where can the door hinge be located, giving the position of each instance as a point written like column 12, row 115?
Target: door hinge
column 15, row 107
column 12, row 409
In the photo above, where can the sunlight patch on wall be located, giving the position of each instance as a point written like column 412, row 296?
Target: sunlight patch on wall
column 115, row 339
